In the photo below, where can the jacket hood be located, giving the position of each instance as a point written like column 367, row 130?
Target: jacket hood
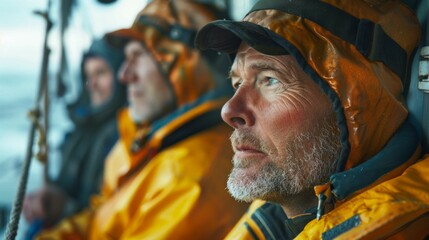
column 197, row 78
column 167, row 29
column 359, row 56
column 81, row 111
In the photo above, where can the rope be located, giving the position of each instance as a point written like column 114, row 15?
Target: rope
column 12, row 227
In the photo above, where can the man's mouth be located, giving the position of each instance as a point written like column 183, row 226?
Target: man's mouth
column 135, row 93
column 245, row 151
column 246, row 145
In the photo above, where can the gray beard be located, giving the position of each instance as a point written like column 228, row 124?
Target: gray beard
column 311, row 159
column 135, row 116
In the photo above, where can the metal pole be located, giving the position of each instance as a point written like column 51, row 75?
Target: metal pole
column 424, row 86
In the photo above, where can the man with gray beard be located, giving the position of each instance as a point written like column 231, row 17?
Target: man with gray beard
column 299, row 170
column 322, row 142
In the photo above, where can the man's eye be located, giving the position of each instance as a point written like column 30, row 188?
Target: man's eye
column 269, row 81
column 100, row 72
column 236, row 84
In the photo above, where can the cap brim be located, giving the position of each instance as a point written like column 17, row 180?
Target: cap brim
column 121, row 37
column 225, row 36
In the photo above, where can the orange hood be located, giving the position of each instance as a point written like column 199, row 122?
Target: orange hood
column 359, row 55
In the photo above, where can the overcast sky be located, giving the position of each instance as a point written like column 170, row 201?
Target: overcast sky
column 22, row 32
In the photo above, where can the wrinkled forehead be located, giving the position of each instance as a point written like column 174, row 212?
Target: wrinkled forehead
column 244, row 52
column 248, row 58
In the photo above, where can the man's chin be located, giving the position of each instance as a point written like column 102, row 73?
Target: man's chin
column 241, row 185
column 238, row 195
column 256, row 181
column 244, row 176
column 141, row 113
column 135, row 116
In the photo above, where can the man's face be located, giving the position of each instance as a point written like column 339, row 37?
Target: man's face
column 99, row 77
column 149, row 95
column 286, row 138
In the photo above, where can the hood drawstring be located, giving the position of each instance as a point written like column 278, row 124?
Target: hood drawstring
column 323, row 193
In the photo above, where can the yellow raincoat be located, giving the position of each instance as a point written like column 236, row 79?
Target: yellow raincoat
column 358, row 52
column 167, row 179
column 178, row 194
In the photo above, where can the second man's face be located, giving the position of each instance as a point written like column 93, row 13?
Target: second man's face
column 99, row 80
column 149, row 94
column 285, row 135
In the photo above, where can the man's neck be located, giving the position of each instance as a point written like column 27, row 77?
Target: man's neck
column 298, row 204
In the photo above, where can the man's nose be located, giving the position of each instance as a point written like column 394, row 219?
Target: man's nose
column 236, row 111
column 91, row 82
column 125, row 73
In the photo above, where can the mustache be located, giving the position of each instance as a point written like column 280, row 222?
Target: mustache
column 245, row 137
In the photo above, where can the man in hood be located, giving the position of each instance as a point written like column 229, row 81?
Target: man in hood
column 86, row 146
column 165, row 178
column 321, row 131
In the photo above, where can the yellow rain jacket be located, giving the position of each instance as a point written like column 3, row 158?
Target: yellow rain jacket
column 358, row 52
column 177, row 194
column 167, row 179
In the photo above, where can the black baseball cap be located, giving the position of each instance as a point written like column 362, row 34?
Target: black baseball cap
column 225, row 36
